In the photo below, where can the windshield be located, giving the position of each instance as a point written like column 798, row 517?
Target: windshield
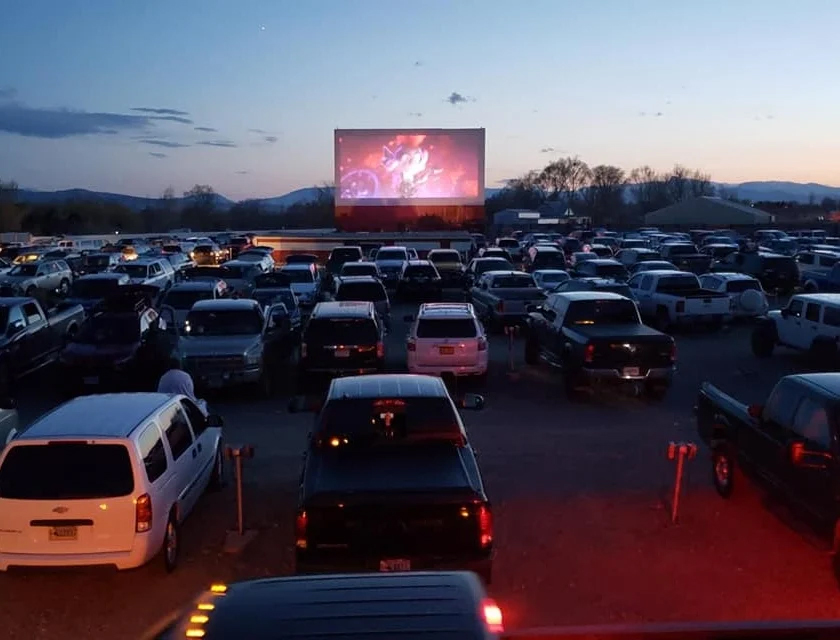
column 492, row 264
column 24, row 270
column 681, row 249
column 366, row 418
column 298, row 275
column 229, row 322
column 346, row 255
column 96, row 260
column 94, row 288
column 66, row 471
column 234, row 272
column 787, row 264
column 360, row 291
column 183, row 300
column 391, row 254
column 446, row 328
column 133, row 270
column 268, row 297
column 611, row 271
column 444, row 257
column 359, row 269
column 508, row 243
column 332, row 331
column 110, row 328
column 600, row 312
column 420, row 271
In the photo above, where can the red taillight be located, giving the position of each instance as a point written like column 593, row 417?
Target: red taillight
column 301, row 521
column 673, row 352
column 143, row 513
column 492, row 615
column 485, row 526
column 500, row 306
column 302, row 349
column 482, row 344
column 589, row 353
column 680, row 306
column 411, row 345
column 380, row 349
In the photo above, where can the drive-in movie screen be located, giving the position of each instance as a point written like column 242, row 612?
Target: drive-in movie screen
column 409, row 167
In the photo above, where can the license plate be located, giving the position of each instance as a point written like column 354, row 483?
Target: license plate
column 631, row 371
column 447, row 351
column 91, row 380
column 64, row 533
column 342, row 353
column 395, row 564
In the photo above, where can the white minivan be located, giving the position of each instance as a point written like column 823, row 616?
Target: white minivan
column 106, row 480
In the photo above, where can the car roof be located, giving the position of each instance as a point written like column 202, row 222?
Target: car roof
column 546, row 247
column 387, row 605
column 146, row 260
column 347, row 309
column 599, row 282
column 824, row 298
column 226, row 304
column 666, row 272
column 418, row 263
column 351, row 279
column 605, row 261
column 109, row 275
column 573, row 296
column 388, row 385
column 297, row 266
column 827, row 382
column 196, row 285
column 548, row 271
column 507, row 272
column 110, row 415
column 730, row 275
column 446, row 310
column 234, row 263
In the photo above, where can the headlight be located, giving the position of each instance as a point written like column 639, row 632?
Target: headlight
column 253, row 356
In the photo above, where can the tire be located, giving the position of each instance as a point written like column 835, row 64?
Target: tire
column 64, row 287
column 532, row 351
column 724, row 470
column 30, row 292
column 219, row 478
column 171, row 548
column 763, row 341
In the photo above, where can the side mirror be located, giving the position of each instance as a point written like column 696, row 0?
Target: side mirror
column 785, row 312
column 533, row 308
column 408, row 318
column 472, row 402
column 215, row 420
column 755, row 411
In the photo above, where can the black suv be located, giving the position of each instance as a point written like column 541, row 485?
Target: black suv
column 342, row 338
column 420, row 279
column 123, row 345
column 775, row 272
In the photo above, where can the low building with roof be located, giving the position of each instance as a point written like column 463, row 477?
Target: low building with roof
column 707, row 211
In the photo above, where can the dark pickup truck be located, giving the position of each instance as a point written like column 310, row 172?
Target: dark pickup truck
column 31, row 336
column 390, row 481
column 790, row 445
column 598, row 337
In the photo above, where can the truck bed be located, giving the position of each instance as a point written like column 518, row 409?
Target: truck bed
column 714, row 405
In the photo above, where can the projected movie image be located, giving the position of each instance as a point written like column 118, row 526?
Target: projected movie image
column 439, row 166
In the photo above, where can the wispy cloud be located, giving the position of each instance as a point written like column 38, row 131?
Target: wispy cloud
column 173, row 119
column 206, row 129
column 241, row 173
column 55, row 123
column 258, row 131
column 218, row 143
column 160, row 111
column 163, row 143
column 456, row 98
column 548, row 150
column 418, row 63
column 156, row 154
column 270, row 139
column 415, row 114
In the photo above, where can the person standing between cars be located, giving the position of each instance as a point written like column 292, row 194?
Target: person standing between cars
column 179, row 382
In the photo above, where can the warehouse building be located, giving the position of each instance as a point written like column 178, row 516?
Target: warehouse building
column 707, row 211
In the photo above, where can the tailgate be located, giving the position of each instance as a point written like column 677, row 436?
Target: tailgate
column 515, row 301
column 704, row 306
column 66, row 498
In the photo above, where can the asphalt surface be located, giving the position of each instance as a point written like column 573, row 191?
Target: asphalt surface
column 581, row 494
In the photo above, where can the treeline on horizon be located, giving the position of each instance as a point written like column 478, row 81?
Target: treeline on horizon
column 606, row 193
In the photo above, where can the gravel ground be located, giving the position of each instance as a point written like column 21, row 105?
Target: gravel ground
column 582, row 524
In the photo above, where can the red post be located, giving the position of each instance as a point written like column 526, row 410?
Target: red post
column 679, row 452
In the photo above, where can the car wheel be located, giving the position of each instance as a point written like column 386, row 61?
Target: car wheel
column 219, row 478
column 724, row 468
column 64, row 287
column 171, row 543
column 762, row 342
column 30, row 292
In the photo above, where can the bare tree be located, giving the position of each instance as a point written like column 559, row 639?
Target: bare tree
column 701, row 184
column 605, row 195
column 578, row 176
column 554, row 179
column 201, row 197
column 8, row 191
column 679, row 183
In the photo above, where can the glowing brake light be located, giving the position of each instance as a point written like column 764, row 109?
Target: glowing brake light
column 301, row 523
column 589, row 353
column 485, row 525
column 143, row 513
column 492, row 615
column 380, row 349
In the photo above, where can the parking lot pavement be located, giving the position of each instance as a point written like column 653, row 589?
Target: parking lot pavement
column 582, row 530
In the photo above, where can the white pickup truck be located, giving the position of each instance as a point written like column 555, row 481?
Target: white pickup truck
column 675, row 297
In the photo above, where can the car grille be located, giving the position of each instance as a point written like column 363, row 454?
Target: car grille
column 209, row 364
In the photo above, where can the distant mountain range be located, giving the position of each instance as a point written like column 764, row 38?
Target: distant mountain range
column 756, row 191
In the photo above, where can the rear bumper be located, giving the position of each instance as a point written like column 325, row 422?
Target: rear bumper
column 342, row 371
column 477, row 369
column 141, row 553
column 706, row 318
column 223, row 379
column 312, row 565
column 660, row 375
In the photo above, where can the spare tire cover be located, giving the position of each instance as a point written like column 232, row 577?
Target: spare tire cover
column 751, row 300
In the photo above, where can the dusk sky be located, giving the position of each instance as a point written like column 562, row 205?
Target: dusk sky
column 132, row 97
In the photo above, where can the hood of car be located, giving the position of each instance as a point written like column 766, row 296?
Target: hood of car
column 218, row 345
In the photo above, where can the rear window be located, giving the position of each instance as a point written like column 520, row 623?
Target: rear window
column 363, row 291
column 674, row 284
column 571, row 244
column 422, row 271
column 550, row 259
column 341, row 331
column 780, row 263
column 513, row 282
column 610, row 271
column 298, row 275
column 66, row 471
column 508, row 243
column 589, row 312
column 493, row 264
column 391, row 254
column 738, row 286
column 446, row 328
column 346, row 254
column 364, row 419
column 360, row 269
column 682, row 249
column 440, row 257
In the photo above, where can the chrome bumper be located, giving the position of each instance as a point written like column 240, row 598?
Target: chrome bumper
column 663, row 374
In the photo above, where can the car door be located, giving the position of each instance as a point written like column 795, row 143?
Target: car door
column 644, row 293
column 19, row 345
column 184, row 453
column 812, row 480
column 765, row 445
column 789, row 328
column 40, row 342
column 811, row 323
column 205, row 440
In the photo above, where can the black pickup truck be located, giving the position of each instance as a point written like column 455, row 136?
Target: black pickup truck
column 598, row 337
column 390, row 481
column 32, row 336
column 790, row 445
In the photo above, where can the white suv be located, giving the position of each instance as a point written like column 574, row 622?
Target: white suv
column 106, row 480
column 447, row 338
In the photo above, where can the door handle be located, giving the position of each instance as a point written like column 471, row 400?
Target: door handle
column 194, row 453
